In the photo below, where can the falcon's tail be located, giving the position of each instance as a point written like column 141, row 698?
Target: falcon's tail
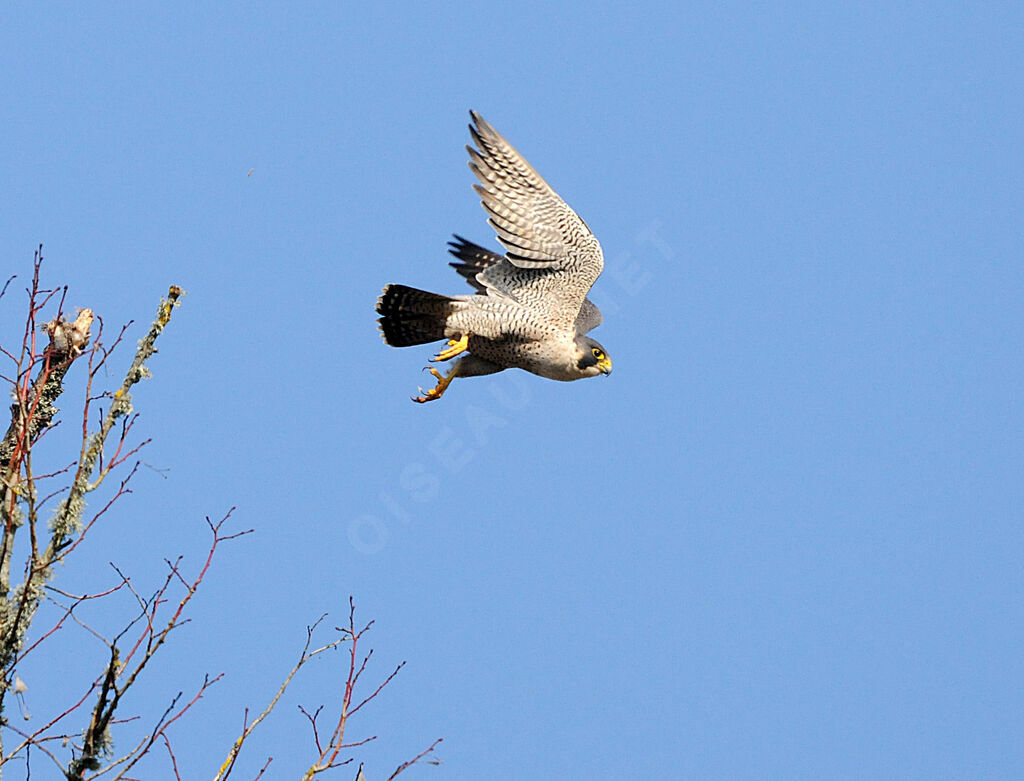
column 409, row 316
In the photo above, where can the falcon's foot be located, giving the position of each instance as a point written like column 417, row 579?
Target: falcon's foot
column 455, row 347
column 443, row 381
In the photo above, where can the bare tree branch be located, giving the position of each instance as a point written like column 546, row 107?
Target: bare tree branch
column 37, row 373
column 305, row 656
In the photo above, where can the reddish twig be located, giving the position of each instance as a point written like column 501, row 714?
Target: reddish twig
column 415, row 759
column 328, row 754
column 229, row 763
column 174, row 761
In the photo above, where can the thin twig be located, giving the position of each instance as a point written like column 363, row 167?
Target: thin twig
column 305, row 656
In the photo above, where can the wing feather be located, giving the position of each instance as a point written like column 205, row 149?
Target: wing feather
column 474, row 259
column 552, row 257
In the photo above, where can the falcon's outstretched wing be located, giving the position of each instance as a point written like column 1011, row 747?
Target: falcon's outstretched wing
column 551, row 252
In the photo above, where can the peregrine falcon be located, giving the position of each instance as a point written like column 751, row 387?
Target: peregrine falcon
column 530, row 309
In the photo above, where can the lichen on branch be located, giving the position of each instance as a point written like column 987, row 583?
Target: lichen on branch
column 34, row 410
column 67, row 519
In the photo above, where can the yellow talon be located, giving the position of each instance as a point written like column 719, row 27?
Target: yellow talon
column 454, row 348
column 443, row 381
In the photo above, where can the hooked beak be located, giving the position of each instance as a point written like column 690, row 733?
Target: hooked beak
column 605, row 365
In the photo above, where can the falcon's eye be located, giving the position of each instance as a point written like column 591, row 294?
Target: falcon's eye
column 597, row 352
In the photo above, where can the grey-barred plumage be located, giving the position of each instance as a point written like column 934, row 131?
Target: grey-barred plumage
column 476, row 258
column 530, row 310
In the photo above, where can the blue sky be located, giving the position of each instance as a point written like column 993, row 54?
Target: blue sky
column 782, row 540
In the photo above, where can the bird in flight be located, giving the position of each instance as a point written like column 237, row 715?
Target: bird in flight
column 530, row 310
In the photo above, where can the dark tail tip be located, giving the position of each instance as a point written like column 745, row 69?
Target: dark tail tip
column 409, row 316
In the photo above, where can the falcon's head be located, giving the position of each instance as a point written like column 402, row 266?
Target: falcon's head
column 591, row 359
